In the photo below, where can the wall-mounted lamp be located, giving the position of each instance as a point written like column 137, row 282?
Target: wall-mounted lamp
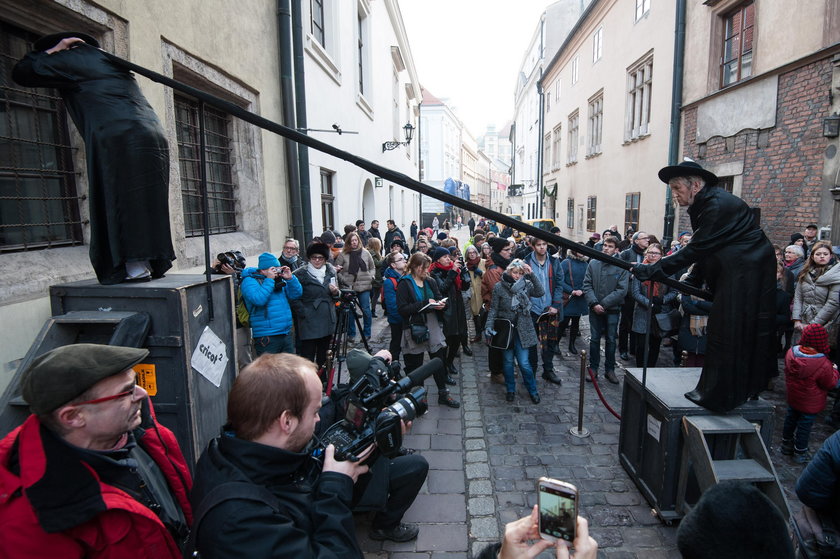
column 408, row 130
column 831, row 126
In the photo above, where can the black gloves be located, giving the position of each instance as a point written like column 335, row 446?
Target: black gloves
column 644, row 272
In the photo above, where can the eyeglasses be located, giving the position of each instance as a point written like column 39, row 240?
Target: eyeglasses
column 643, row 239
column 109, row 398
column 654, row 252
column 290, row 248
column 317, row 257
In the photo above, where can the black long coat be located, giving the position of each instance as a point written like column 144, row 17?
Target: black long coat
column 454, row 315
column 127, row 157
column 737, row 262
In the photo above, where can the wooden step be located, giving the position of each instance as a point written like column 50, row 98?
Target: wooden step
column 721, row 424
column 741, row 470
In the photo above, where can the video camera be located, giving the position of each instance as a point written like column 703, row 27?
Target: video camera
column 376, row 405
column 347, row 296
column 232, row 258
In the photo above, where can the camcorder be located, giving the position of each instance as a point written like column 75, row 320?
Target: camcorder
column 232, row 258
column 347, row 296
column 375, row 405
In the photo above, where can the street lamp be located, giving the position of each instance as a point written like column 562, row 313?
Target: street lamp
column 408, row 130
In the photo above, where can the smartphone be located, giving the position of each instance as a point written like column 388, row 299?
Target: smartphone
column 558, row 509
column 443, row 301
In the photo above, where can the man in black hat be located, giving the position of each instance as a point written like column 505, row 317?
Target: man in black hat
column 91, row 473
column 126, row 151
column 734, row 259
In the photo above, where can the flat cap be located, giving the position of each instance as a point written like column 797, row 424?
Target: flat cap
column 58, row 376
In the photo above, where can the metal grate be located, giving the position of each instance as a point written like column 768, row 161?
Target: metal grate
column 39, row 207
column 220, row 187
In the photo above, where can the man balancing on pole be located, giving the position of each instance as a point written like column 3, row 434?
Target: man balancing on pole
column 735, row 260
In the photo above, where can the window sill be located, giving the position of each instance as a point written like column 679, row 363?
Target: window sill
column 322, row 58
column 363, row 104
column 570, row 163
column 593, row 155
column 638, row 138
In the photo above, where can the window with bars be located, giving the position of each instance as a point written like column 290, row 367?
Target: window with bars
column 570, row 213
column 596, row 124
column 738, row 33
column 591, row 210
column 317, row 28
column 327, row 200
column 39, row 207
column 639, row 86
column 572, row 148
column 631, row 210
column 642, row 8
column 220, row 186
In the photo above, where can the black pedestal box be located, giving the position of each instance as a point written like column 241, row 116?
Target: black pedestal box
column 186, row 402
column 657, row 424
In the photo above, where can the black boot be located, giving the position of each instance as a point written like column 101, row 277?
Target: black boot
column 572, row 349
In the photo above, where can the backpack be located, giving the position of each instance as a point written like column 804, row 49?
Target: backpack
column 382, row 291
column 243, row 317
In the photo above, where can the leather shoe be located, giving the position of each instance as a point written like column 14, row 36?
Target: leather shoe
column 624, row 356
column 610, row 376
column 497, row 378
column 400, row 533
column 535, row 397
column 588, row 378
column 445, row 399
column 451, row 381
column 552, row 377
column 467, row 351
column 510, row 396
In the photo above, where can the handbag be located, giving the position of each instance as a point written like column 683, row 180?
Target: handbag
column 503, row 338
column 419, row 329
column 567, row 296
column 666, row 323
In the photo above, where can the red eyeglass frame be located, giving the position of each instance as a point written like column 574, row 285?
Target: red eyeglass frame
column 109, row 398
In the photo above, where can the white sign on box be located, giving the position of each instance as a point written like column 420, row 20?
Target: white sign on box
column 210, row 357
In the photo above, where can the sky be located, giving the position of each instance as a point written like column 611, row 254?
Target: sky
column 468, row 52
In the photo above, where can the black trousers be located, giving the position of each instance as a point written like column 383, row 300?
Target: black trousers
column 495, row 360
column 396, row 340
column 406, row 475
column 413, row 360
column 653, row 350
column 626, row 338
column 315, row 350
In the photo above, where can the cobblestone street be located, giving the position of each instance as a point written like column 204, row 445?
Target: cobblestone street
column 486, row 456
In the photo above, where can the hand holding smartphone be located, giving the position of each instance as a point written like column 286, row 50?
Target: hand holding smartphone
column 558, row 509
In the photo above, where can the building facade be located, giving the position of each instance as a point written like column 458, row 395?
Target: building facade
column 441, row 152
column 360, row 76
column 754, row 105
column 607, row 99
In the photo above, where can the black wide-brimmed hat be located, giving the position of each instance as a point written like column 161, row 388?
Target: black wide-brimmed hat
column 48, row 41
column 687, row 169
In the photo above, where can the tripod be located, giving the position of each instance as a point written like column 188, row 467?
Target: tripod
column 337, row 352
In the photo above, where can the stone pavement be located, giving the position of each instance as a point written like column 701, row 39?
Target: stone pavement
column 485, row 459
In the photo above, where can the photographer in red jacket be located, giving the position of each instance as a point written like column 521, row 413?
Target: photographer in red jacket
column 91, row 473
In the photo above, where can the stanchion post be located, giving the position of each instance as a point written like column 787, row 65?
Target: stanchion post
column 580, row 431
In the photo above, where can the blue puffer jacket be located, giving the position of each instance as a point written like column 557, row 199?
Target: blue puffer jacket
column 391, row 295
column 269, row 309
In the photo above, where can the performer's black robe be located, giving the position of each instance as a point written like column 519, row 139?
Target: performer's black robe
column 127, row 157
column 737, row 262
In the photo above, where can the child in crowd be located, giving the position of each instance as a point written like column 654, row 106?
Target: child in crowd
column 809, row 375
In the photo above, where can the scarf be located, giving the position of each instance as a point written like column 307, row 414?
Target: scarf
column 656, row 284
column 318, row 274
column 500, row 260
column 438, row 266
column 356, row 262
column 472, row 263
column 697, row 322
column 520, row 302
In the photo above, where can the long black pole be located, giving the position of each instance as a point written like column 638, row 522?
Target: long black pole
column 391, row 175
column 205, row 203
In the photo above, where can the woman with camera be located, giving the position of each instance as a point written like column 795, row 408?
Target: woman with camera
column 315, row 309
column 419, row 305
column 512, row 303
column 356, row 272
column 452, row 280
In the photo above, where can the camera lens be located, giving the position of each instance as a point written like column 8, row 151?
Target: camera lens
column 412, row 405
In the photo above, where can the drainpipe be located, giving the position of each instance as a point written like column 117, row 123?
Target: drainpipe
column 676, row 118
column 420, row 161
column 300, row 107
column 540, row 147
column 284, row 24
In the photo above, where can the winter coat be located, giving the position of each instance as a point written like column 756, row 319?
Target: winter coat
column 408, row 304
column 52, row 504
column 795, row 267
column 639, row 292
column 454, row 314
column 818, row 301
column 808, row 378
column 360, row 282
column 574, row 271
column 389, row 238
column 819, row 485
column 389, row 289
column 500, row 307
column 688, row 341
column 476, row 281
column 269, row 309
column 605, row 284
column 553, row 288
column 315, row 308
column 313, row 521
column 492, row 275
column 378, row 269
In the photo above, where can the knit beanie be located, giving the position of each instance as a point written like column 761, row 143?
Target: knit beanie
column 328, row 237
column 815, row 336
column 438, row 253
column 268, row 260
column 441, row 236
column 498, row 244
column 795, row 237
